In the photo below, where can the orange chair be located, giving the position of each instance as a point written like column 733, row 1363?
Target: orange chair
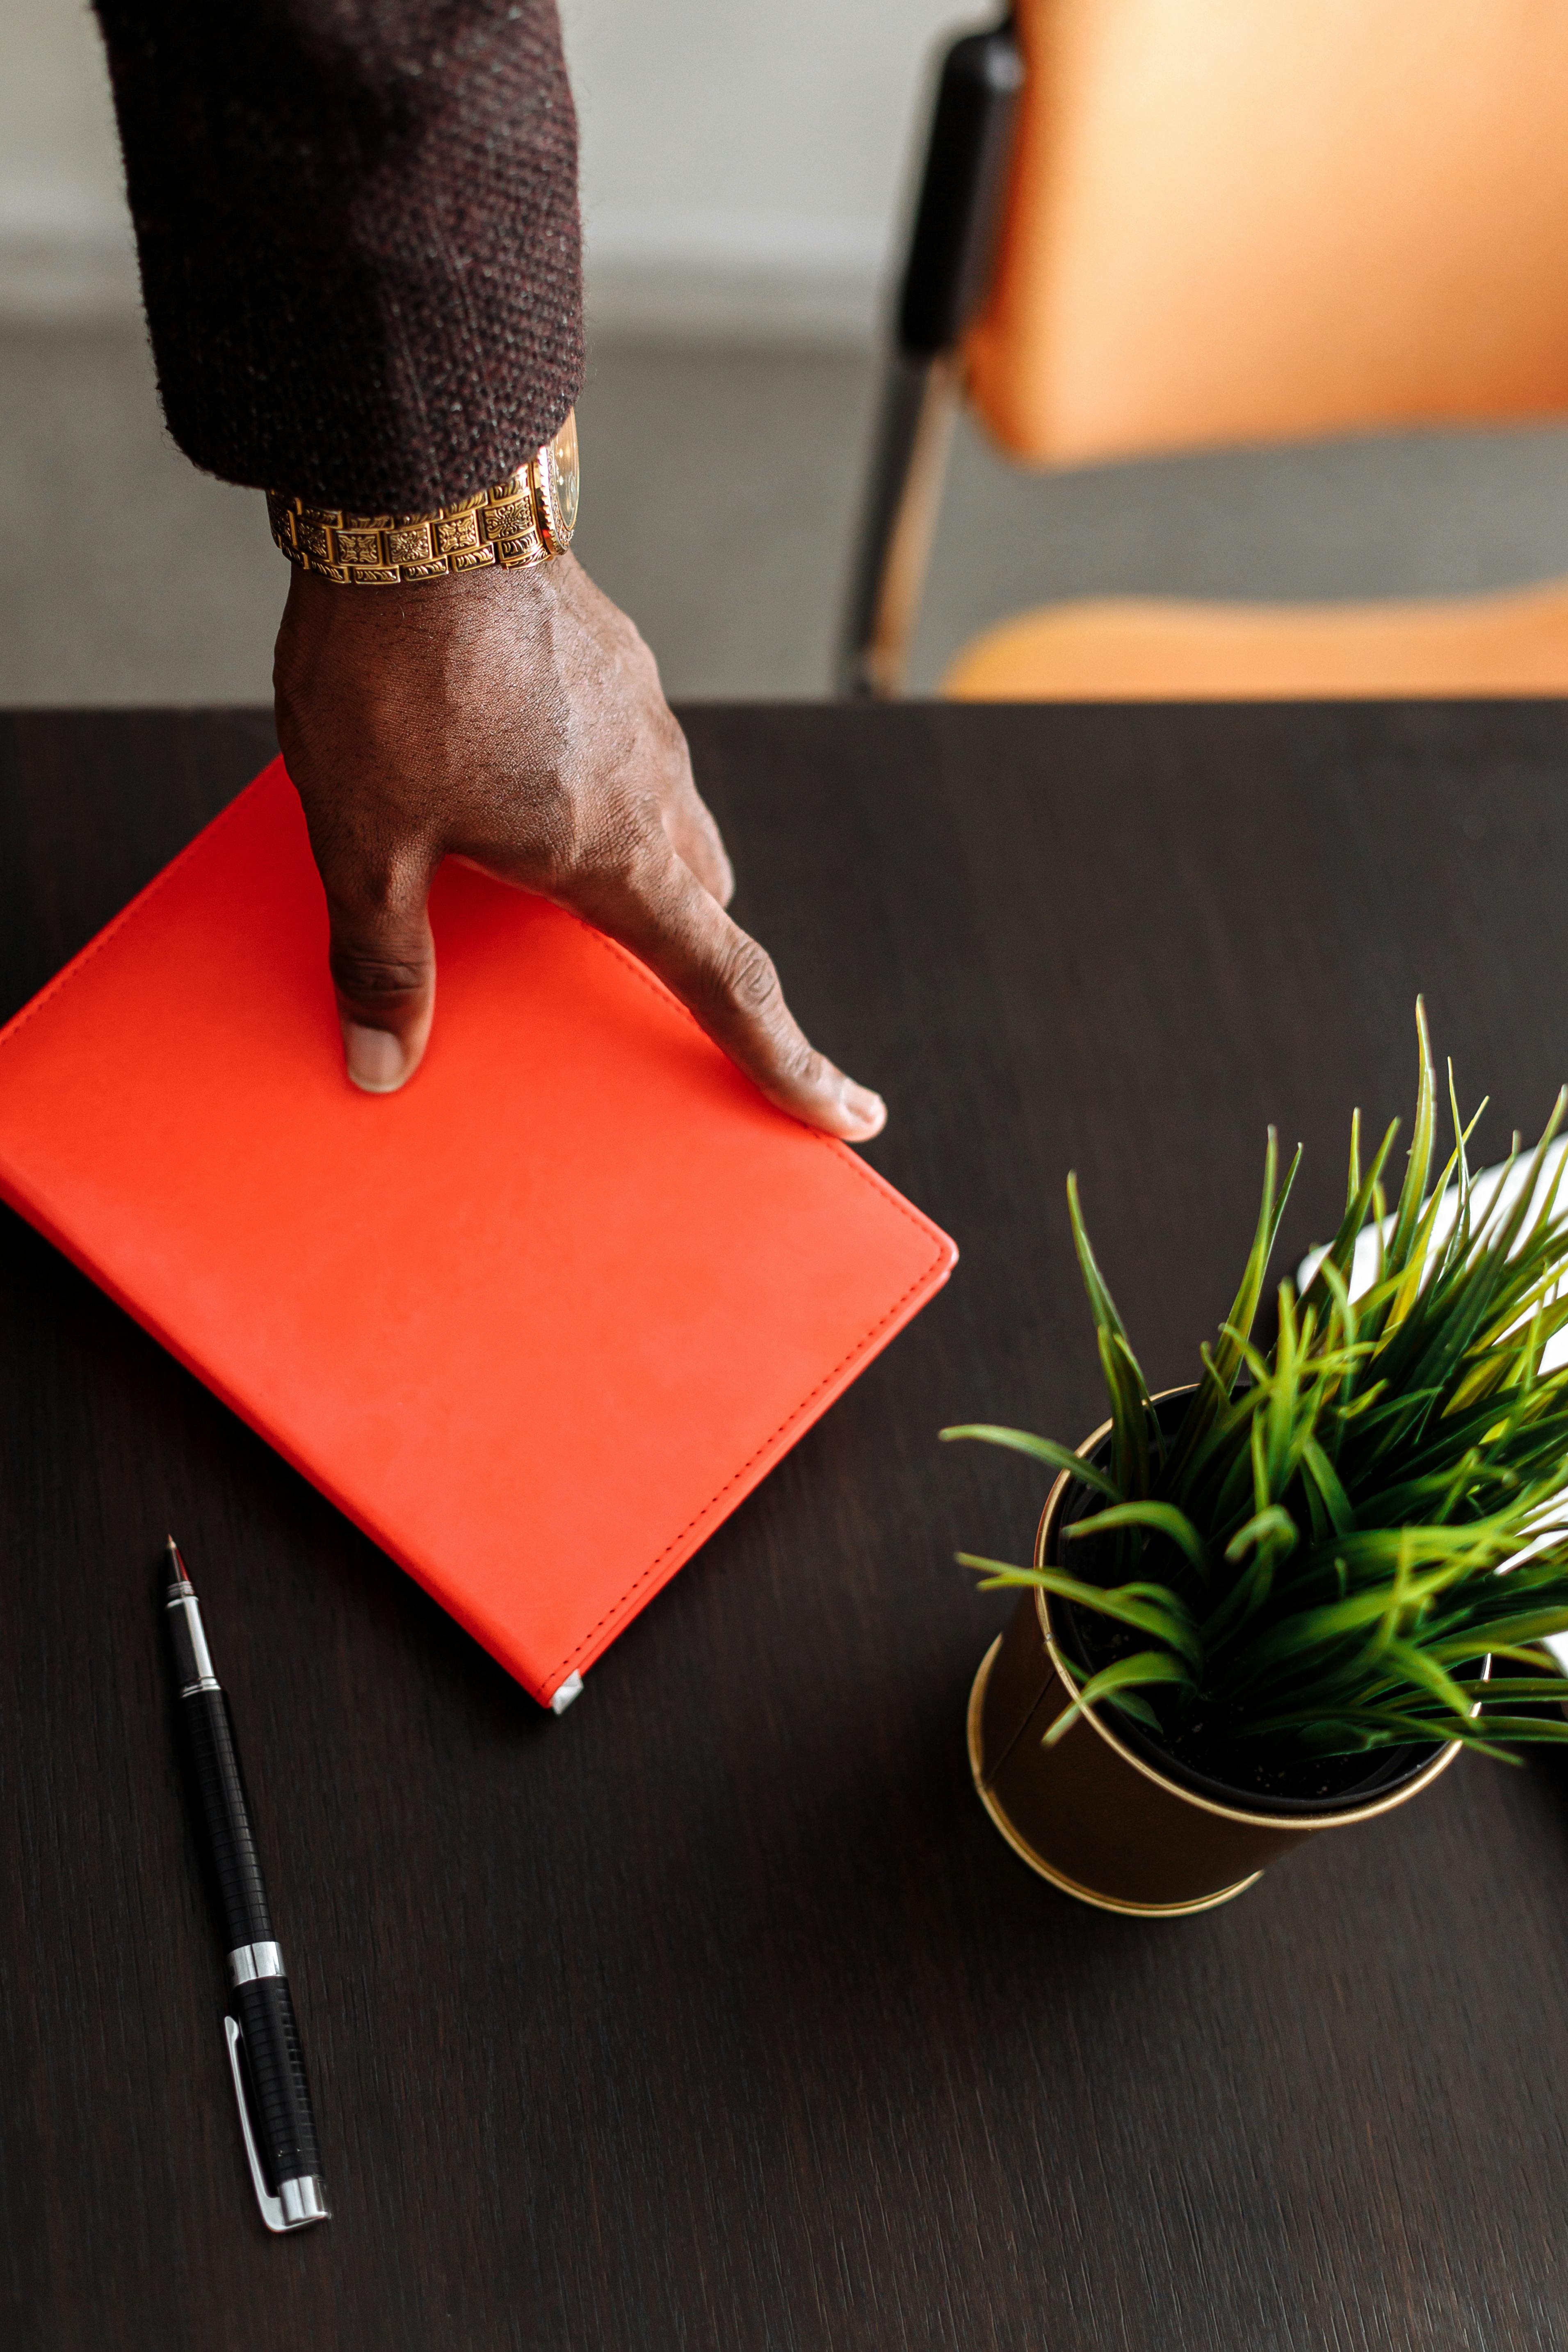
column 1173, row 225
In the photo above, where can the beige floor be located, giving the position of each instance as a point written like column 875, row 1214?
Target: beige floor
column 720, row 488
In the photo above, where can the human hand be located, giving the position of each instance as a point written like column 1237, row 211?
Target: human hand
column 514, row 718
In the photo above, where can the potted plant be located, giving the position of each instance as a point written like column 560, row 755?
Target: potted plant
column 1266, row 1605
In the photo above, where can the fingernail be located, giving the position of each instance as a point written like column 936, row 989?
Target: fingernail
column 868, row 1111
column 377, row 1060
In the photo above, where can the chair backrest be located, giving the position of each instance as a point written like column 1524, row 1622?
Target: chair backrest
column 1253, row 220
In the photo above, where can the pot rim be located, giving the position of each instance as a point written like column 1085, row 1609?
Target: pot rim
column 1344, row 1819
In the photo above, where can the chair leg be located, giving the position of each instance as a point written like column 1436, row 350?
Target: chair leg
column 951, row 249
column 920, row 408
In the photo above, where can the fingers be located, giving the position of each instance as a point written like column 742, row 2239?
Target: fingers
column 658, row 752
column 661, row 911
column 688, row 823
column 382, row 963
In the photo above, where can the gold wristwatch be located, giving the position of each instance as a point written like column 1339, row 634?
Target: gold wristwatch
column 527, row 519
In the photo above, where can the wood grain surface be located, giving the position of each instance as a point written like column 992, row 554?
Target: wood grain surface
column 716, row 2013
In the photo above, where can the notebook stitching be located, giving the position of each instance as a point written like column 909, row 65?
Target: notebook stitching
column 587, row 1641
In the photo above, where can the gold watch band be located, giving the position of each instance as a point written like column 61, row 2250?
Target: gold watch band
column 527, row 519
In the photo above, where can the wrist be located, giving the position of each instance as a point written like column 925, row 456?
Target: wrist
column 440, row 608
column 525, row 521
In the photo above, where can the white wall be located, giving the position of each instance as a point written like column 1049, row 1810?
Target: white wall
column 743, row 163
column 740, row 158
column 65, row 240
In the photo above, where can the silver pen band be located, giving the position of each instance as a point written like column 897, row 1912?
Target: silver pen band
column 183, row 1604
column 247, row 1962
column 303, row 2199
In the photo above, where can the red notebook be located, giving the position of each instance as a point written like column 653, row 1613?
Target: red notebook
column 536, row 1323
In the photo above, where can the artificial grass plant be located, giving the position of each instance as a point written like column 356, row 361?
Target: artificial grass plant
column 1341, row 1528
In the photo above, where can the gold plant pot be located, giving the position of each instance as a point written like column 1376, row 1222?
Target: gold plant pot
column 1097, row 1820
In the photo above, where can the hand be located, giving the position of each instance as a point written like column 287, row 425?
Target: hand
column 515, row 718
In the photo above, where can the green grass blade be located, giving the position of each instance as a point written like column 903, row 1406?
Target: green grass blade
column 1139, row 1672
column 1418, row 1165
column 1157, row 1518
column 1039, row 1449
column 1168, row 1620
column 1227, row 1359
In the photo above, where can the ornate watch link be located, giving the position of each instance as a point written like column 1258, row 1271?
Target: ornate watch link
column 527, row 519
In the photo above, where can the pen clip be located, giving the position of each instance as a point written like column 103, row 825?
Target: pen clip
column 272, row 2207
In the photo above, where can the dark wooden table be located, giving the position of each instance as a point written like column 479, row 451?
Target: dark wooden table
column 717, row 2014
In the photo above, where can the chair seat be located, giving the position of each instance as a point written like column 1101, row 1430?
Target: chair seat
column 1115, row 649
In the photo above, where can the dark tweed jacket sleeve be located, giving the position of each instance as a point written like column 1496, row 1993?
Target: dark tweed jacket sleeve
column 357, row 223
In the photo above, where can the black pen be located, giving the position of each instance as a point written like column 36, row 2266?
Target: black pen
column 264, row 2052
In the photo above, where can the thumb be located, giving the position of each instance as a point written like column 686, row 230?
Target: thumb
column 382, row 963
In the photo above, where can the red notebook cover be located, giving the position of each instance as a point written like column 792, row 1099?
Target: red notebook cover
column 537, row 1323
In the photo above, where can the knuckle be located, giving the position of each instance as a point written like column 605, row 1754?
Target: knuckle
column 550, row 829
column 796, row 1062
column 374, row 888
column 374, row 976
column 380, row 950
column 626, row 837
column 566, row 833
column 671, row 738
column 627, row 848
column 749, row 982
column 375, row 891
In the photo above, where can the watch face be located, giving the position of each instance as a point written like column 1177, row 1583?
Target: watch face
column 556, row 476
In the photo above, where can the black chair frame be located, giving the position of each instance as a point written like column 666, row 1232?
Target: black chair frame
column 947, row 272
